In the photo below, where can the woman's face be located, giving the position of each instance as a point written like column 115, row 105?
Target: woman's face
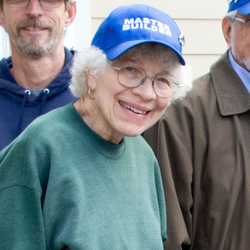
column 122, row 111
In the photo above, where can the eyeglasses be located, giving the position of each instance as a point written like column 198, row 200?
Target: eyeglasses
column 49, row 4
column 241, row 20
column 164, row 85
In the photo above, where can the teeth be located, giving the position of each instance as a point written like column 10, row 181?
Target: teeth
column 133, row 109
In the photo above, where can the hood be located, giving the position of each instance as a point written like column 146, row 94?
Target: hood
column 11, row 90
column 19, row 107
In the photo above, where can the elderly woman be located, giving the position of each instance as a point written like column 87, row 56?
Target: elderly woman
column 82, row 177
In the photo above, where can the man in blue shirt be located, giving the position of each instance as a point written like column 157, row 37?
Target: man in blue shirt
column 35, row 79
column 202, row 143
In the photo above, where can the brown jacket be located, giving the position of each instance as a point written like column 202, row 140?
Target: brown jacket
column 203, row 146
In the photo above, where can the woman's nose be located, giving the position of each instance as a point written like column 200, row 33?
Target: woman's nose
column 145, row 89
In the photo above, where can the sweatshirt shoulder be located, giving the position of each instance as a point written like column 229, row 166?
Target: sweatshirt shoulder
column 141, row 147
column 50, row 121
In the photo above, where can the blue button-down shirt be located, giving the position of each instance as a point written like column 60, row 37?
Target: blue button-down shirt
column 243, row 74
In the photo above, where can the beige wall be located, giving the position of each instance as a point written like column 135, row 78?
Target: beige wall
column 200, row 20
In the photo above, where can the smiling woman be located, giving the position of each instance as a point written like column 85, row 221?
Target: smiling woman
column 123, row 100
column 82, row 177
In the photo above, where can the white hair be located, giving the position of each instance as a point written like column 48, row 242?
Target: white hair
column 88, row 60
column 183, row 74
column 92, row 60
column 231, row 15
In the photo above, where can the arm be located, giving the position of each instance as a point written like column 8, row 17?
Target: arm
column 21, row 224
column 21, row 218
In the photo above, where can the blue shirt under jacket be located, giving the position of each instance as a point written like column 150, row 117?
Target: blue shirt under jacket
column 243, row 74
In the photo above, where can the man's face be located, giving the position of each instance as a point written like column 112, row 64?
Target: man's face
column 240, row 42
column 33, row 30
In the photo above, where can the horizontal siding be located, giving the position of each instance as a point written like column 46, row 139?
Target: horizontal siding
column 200, row 63
column 185, row 9
column 202, row 37
column 199, row 20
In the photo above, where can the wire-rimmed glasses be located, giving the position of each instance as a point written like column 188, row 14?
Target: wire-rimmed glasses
column 48, row 4
column 241, row 20
column 164, row 85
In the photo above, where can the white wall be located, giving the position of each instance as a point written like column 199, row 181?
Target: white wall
column 4, row 43
column 79, row 34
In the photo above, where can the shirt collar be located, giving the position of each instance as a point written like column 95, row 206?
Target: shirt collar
column 243, row 74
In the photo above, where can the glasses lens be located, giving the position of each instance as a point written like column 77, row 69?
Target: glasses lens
column 165, row 85
column 17, row 3
column 131, row 76
column 50, row 3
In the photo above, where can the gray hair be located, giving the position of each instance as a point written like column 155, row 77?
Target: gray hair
column 92, row 60
column 231, row 15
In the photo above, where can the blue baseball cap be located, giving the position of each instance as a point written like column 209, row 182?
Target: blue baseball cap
column 242, row 6
column 131, row 25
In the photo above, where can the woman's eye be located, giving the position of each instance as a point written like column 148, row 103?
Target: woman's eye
column 162, row 79
column 129, row 69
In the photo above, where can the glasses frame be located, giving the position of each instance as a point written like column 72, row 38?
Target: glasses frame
column 40, row 2
column 241, row 20
column 152, row 78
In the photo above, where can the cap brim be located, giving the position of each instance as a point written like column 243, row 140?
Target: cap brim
column 244, row 9
column 116, row 51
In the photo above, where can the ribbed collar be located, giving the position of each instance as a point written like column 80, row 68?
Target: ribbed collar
column 106, row 148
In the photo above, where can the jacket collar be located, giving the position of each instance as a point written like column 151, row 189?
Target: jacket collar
column 232, row 95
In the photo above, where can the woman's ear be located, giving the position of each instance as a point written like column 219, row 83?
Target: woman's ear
column 70, row 14
column 91, row 80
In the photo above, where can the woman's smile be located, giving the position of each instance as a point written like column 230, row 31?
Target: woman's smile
column 133, row 109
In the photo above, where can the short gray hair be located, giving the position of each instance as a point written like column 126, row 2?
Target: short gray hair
column 92, row 60
column 231, row 15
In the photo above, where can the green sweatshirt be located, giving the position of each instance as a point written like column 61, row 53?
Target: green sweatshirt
column 64, row 187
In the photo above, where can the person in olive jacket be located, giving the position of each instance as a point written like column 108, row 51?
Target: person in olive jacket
column 202, row 143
